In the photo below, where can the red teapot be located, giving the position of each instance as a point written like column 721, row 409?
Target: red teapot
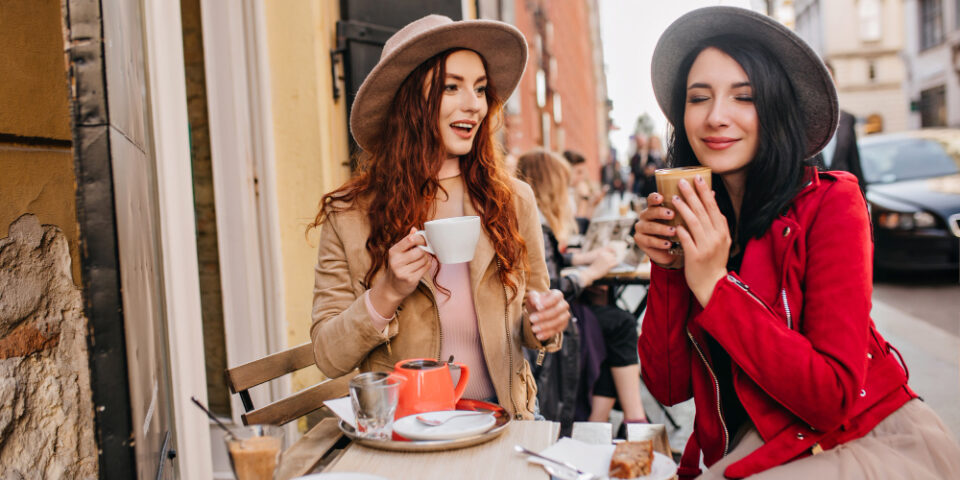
column 428, row 386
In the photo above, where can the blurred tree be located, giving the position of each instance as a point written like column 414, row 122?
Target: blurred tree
column 644, row 125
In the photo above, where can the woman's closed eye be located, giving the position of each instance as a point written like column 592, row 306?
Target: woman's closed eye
column 697, row 98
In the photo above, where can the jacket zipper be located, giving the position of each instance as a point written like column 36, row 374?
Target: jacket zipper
column 716, row 387
column 436, row 315
column 746, row 288
column 506, row 324
column 786, row 308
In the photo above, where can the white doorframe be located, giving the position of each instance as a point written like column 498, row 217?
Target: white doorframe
column 163, row 39
column 241, row 146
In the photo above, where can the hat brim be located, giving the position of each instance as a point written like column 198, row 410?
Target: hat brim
column 502, row 46
column 811, row 81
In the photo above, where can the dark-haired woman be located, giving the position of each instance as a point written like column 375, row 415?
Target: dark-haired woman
column 765, row 318
column 425, row 118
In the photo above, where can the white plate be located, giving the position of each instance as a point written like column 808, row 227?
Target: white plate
column 341, row 476
column 596, row 459
column 459, row 427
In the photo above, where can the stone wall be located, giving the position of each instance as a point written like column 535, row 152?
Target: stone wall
column 46, row 412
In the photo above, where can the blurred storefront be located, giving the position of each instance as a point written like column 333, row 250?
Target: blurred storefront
column 933, row 55
column 863, row 40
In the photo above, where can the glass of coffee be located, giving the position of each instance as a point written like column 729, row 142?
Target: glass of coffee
column 668, row 185
column 254, row 451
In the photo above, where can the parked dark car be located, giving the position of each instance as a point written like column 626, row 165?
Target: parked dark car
column 913, row 191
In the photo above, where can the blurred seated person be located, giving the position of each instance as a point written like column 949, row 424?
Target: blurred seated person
column 609, row 368
column 584, row 195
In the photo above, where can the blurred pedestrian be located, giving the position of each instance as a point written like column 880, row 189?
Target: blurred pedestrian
column 842, row 152
column 585, row 195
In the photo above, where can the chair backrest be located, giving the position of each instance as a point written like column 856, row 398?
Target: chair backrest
column 246, row 376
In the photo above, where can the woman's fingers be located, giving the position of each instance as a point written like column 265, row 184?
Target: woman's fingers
column 549, row 315
column 693, row 200
column 709, row 200
column 693, row 223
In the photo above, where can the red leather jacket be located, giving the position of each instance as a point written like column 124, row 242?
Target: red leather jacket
column 808, row 365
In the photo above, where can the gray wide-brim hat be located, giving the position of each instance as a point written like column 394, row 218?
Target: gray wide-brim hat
column 809, row 76
column 501, row 45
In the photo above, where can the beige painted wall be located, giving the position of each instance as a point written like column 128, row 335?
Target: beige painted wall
column 310, row 144
column 37, row 166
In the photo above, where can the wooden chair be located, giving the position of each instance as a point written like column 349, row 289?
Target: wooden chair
column 303, row 456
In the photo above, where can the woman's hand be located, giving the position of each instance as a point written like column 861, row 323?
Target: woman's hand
column 705, row 240
column 549, row 313
column 586, row 258
column 652, row 235
column 603, row 260
column 406, row 264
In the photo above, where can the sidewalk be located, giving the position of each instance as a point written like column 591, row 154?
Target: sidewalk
column 931, row 354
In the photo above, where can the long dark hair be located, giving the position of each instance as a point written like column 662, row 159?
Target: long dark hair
column 776, row 173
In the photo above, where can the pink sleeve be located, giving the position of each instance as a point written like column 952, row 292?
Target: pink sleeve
column 379, row 321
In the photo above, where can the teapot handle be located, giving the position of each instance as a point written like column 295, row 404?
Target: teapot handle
column 461, row 383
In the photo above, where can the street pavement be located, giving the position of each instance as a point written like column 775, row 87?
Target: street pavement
column 932, row 356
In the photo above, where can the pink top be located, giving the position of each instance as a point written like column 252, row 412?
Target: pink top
column 460, row 333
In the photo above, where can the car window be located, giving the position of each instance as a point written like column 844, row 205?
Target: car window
column 905, row 159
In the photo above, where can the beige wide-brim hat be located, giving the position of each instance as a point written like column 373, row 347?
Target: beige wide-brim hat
column 501, row 45
column 816, row 94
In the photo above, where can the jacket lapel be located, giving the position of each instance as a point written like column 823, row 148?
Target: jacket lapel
column 483, row 255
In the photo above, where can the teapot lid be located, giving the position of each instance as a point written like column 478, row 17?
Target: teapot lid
column 421, row 364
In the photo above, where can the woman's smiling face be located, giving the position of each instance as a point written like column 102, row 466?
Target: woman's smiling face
column 464, row 102
column 719, row 115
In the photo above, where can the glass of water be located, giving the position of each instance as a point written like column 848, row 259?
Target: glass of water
column 374, row 396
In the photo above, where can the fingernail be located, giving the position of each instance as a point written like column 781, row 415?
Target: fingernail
column 676, row 198
column 536, row 329
column 534, row 317
column 683, row 181
column 668, row 212
column 699, row 179
column 666, row 244
column 672, row 229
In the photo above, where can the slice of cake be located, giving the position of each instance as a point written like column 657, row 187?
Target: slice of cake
column 632, row 459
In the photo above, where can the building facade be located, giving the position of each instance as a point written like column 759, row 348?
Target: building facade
column 863, row 41
column 932, row 54
column 561, row 102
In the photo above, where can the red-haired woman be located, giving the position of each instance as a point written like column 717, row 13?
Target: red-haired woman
column 425, row 118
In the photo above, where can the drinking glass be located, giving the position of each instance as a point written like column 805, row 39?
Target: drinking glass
column 254, row 451
column 374, row 396
column 668, row 180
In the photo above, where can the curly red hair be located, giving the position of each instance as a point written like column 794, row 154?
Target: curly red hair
column 396, row 182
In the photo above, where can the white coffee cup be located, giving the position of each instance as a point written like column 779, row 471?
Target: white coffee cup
column 452, row 240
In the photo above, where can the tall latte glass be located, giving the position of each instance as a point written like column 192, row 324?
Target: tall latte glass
column 667, row 185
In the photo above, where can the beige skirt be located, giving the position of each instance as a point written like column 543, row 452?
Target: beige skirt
column 911, row 443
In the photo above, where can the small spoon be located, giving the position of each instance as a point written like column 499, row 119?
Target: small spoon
column 210, row 414
column 436, row 423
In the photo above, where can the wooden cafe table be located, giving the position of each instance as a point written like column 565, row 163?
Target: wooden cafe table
column 494, row 459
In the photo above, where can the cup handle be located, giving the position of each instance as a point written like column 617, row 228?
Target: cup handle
column 425, row 248
column 461, row 383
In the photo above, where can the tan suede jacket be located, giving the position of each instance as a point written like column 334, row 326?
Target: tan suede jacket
column 344, row 337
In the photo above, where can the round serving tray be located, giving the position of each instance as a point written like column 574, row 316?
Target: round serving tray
column 503, row 420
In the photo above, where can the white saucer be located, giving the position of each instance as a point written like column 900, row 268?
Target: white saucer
column 459, row 427
column 341, row 476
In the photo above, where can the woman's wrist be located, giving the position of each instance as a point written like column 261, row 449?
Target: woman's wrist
column 384, row 299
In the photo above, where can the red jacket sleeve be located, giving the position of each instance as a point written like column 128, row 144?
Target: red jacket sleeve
column 815, row 372
column 665, row 351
